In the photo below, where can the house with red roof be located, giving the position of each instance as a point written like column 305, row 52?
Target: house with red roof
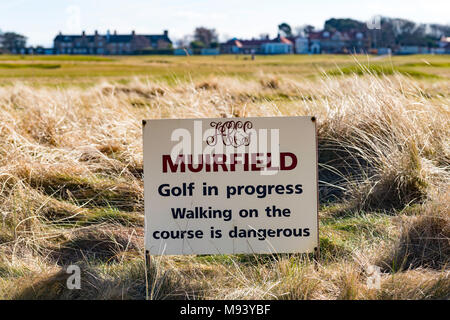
column 278, row 45
column 241, row 46
column 337, row 42
column 444, row 45
column 316, row 42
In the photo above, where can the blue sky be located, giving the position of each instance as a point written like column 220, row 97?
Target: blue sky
column 41, row 20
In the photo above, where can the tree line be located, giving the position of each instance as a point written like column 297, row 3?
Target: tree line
column 11, row 41
column 393, row 32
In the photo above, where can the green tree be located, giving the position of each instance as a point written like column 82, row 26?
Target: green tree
column 197, row 45
column 285, row 29
column 11, row 41
column 205, row 36
column 308, row 29
column 344, row 25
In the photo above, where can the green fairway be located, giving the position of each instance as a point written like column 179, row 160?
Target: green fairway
column 79, row 70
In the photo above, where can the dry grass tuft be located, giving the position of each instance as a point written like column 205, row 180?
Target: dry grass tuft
column 271, row 83
column 416, row 284
column 109, row 243
column 425, row 239
column 71, row 189
column 70, row 184
column 207, row 86
column 147, row 93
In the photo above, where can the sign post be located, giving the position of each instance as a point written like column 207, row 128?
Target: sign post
column 233, row 185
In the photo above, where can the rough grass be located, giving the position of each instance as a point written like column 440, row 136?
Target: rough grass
column 87, row 71
column 383, row 70
column 29, row 65
column 71, row 189
column 60, row 57
column 425, row 239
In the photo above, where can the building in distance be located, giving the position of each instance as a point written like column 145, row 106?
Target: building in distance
column 110, row 44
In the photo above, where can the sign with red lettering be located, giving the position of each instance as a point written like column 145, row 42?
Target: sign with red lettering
column 230, row 185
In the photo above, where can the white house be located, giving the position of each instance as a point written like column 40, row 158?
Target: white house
column 301, row 45
column 276, row 48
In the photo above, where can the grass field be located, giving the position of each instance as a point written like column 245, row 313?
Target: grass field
column 87, row 70
column 71, row 189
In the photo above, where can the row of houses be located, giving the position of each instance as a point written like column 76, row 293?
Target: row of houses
column 443, row 48
column 279, row 45
column 324, row 42
column 118, row 44
column 104, row 44
column 314, row 43
column 110, row 43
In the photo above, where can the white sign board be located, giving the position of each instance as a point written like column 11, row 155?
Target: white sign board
column 230, row 185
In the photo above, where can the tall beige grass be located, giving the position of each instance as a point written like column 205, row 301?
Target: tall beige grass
column 71, row 189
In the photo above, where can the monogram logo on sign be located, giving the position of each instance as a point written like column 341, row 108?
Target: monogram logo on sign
column 232, row 133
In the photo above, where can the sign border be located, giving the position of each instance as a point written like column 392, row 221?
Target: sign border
column 312, row 118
